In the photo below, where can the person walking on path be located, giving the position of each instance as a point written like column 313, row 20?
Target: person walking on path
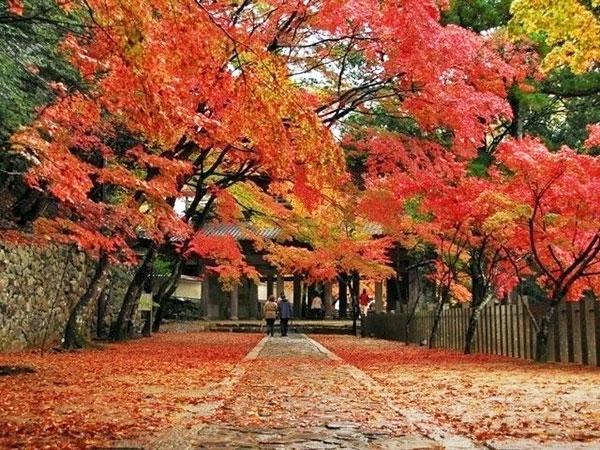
column 316, row 306
column 285, row 313
column 270, row 313
column 364, row 300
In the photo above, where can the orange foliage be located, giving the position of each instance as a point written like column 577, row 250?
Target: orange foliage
column 16, row 7
column 549, row 202
column 90, row 398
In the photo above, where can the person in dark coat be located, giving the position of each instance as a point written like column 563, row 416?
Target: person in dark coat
column 286, row 312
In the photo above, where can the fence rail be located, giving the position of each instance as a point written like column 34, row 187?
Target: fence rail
column 504, row 329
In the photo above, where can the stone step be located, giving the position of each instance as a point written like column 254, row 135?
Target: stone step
column 306, row 328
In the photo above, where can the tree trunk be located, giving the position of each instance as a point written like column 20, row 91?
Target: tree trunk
column 121, row 329
column 516, row 126
column 101, row 313
column 479, row 301
column 541, row 344
column 354, row 293
column 165, row 292
column 343, row 288
column 409, row 318
column 29, row 207
column 147, row 328
column 445, row 292
column 74, row 334
column 472, row 328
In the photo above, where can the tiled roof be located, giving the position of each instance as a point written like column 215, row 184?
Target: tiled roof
column 373, row 229
column 273, row 233
column 240, row 233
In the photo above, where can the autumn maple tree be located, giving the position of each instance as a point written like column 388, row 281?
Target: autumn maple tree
column 549, row 200
column 206, row 125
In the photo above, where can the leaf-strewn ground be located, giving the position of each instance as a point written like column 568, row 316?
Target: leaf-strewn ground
column 482, row 396
column 82, row 399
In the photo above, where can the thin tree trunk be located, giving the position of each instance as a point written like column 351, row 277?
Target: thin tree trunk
column 410, row 317
column 516, row 127
column 445, row 292
column 101, row 313
column 74, row 335
column 165, row 292
column 479, row 301
column 343, row 288
column 412, row 311
column 56, row 297
column 473, row 321
column 354, row 292
column 147, row 328
column 120, row 331
column 541, row 344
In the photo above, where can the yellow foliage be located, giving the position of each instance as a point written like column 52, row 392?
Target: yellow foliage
column 572, row 31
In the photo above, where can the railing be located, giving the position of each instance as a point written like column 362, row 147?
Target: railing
column 503, row 329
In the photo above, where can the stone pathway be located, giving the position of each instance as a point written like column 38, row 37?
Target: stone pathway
column 292, row 393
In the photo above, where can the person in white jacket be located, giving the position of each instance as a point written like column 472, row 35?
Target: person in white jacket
column 316, row 307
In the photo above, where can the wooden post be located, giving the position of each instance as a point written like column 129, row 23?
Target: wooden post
column 297, row 295
column 576, row 329
column 552, row 333
column 514, row 326
column 378, row 297
column 507, row 331
column 563, row 336
column 204, row 296
column 589, row 332
column 494, row 324
column 479, row 334
column 526, row 332
column 456, row 327
column 269, row 286
column 343, row 290
column 280, row 284
column 501, row 331
column 255, row 312
column 327, row 300
column 441, row 337
column 485, row 328
column 233, row 303
column 597, row 327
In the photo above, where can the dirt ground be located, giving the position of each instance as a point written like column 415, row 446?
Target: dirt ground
column 482, row 396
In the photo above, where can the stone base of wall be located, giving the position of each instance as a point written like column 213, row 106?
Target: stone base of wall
column 38, row 289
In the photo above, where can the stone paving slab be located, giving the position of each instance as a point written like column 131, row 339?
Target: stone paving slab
column 327, row 326
column 310, row 438
column 526, row 444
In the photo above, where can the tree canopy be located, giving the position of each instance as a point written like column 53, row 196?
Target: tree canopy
column 440, row 125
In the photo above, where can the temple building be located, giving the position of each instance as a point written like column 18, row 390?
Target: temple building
column 205, row 297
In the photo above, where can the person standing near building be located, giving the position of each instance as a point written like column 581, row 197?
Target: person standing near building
column 270, row 313
column 316, row 306
column 285, row 313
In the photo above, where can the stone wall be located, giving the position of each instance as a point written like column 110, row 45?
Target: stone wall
column 38, row 288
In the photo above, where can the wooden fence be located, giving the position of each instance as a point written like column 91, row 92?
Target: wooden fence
column 504, row 329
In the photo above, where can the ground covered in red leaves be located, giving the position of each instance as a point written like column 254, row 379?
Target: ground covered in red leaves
column 82, row 399
column 482, row 396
